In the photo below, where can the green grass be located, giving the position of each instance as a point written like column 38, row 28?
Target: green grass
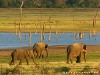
column 91, row 57
column 54, row 64
column 62, row 18
column 62, row 57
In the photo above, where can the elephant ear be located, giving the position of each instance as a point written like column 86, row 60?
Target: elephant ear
column 84, row 47
column 46, row 46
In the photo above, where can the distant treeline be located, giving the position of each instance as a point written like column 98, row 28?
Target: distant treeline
column 50, row 3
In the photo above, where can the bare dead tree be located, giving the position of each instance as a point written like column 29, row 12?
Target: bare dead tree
column 76, row 34
column 19, row 35
column 41, row 35
column 15, row 28
column 94, row 22
column 49, row 29
column 80, row 35
column 90, row 34
column 30, row 38
column 25, row 32
column 90, row 31
column 56, row 30
column 36, row 25
column 42, row 32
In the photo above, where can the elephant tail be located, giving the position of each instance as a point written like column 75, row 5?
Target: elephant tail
column 68, row 49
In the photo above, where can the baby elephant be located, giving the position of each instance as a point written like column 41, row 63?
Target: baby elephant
column 21, row 54
column 76, row 50
column 40, row 49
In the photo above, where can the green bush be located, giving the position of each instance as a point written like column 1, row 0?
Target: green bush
column 45, row 70
column 86, row 69
column 62, row 69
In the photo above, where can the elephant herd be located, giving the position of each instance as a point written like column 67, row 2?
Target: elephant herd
column 40, row 49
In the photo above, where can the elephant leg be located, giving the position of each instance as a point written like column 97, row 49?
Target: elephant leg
column 27, row 60
column 38, row 54
column 78, row 59
column 13, row 61
column 20, row 63
column 46, row 52
column 71, row 60
column 34, row 61
column 68, row 58
column 35, row 54
column 42, row 56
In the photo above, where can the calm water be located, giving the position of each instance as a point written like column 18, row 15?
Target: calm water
column 11, row 40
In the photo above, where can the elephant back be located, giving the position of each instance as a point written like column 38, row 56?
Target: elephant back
column 75, row 47
column 78, row 46
column 41, row 45
column 20, row 53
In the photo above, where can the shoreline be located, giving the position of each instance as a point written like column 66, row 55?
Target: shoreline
column 55, row 49
column 30, row 47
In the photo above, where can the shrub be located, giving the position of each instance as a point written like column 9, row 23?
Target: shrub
column 86, row 69
column 45, row 70
column 16, row 70
column 62, row 69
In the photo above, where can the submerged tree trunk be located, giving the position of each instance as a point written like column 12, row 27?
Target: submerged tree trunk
column 20, row 21
column 30, row 38
column 80, row 35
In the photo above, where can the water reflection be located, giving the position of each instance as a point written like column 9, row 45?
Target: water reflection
column 11, row 40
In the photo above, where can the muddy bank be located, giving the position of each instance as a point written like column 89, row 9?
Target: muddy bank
column 56, row 49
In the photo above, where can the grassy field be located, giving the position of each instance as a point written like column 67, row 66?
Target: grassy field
column 55, row 64
column 62, row 20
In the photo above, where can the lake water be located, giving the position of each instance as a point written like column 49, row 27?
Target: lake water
column 8, row 40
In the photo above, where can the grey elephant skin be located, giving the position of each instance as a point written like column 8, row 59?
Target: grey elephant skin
column 40, row 49
column 21, row 54
column 76, row 50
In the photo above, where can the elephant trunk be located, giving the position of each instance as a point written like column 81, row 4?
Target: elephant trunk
column 47, row 53
column 84, row 55
column 46, row 48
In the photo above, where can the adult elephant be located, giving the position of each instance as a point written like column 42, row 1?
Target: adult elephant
column 20, row 54
column 76, row 50
column 40, row 49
